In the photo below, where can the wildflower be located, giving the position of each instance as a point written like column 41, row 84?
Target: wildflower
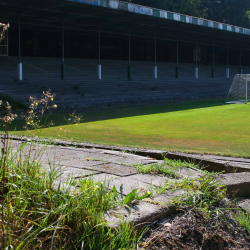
column 55, row 106
column 96, row 188
column 141, row 186
column 87, row 159
column 137, row 190
column 60, row 128
column 148, row 193
column 52, row 99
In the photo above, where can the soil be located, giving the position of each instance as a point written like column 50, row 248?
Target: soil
column 191, row 229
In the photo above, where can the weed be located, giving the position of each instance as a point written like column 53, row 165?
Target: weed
column 168, row 168
column 201, row 192
column 158, row 169
column 244, row 219
column 38, row 211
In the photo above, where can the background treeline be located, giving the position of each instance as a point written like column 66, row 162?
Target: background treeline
column 235, row 12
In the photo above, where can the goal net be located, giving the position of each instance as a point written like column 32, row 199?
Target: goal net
column 240, row 90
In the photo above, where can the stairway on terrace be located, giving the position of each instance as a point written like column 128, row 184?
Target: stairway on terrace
column 82, row 88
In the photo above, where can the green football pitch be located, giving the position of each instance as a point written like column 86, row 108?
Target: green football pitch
column 203, row 127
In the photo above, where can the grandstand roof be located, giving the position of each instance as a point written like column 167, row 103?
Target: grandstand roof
column 118, row 17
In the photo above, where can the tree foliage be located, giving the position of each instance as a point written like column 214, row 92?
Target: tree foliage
column 3, row 28
column 235, row 12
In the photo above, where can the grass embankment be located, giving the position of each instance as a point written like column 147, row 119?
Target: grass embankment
column 202, row 127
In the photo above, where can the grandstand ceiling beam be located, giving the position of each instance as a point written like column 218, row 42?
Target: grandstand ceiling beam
column 166, row 38
column 186, row 37
column 173, row 30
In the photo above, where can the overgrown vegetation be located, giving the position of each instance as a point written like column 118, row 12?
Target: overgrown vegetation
column 169, row 168
column 39, row 215
column 37, row 212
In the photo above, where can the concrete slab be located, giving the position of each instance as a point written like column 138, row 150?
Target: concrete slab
column 76, row 172
column 130, row 184
column 144, row 212
column 238, row 184
column 245, row 205
column 106, row 178
column 155, row 180
column 116, row 169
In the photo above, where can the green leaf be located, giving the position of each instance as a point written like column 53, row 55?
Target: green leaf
column 121, row 190
column 21, row 147
column 20, row 245
column 130, row 197
column 115, row 192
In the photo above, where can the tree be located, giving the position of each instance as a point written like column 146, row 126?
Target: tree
column 235, row 12
column 3, row 29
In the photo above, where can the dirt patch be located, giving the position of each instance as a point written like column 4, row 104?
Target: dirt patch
column 191, row 229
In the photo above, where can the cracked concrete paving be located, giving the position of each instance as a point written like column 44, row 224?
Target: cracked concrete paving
column 117, row 167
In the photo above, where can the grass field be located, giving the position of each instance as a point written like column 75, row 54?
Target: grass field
column 203, row 127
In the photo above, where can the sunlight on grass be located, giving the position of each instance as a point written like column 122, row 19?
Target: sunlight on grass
column 212, row 129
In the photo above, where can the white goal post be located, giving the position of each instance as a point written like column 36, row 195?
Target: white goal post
column 240, row 90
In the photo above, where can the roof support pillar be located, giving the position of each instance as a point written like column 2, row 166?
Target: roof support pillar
column 63, row 49
column 240, row 70
column 155, row 67
column 213, row 63
column 129, row 48
column 177, row 60
column 99, row 66
column 227, row 70
column 19, row 65
column 196, row 73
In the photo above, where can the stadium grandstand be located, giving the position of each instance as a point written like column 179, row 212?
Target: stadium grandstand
column 108, row 52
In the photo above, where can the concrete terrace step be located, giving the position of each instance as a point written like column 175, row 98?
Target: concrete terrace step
column 81, row 81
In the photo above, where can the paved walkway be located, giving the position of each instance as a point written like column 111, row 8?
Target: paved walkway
column 117, row 167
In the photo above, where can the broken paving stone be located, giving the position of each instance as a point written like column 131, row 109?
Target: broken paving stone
column 144, row 213
column 129, row 185
column 245, row 205
column 155, row 180
column 81, row 163
column 76, row 172
column 238, row 184
column 116, row 169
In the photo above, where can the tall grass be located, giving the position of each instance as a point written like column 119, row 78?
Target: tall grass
column 38, row 212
